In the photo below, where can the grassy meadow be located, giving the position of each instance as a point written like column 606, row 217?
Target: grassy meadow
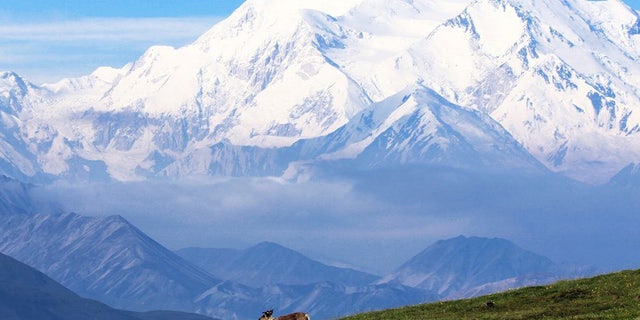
column 610, row 296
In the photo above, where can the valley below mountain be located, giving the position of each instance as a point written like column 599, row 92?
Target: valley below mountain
column 110, row 260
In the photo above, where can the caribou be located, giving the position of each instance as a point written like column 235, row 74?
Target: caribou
column 268, row 315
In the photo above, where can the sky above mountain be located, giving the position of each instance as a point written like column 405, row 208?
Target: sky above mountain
column 45, row 41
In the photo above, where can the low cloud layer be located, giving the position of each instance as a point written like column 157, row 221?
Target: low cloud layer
column 374, row 221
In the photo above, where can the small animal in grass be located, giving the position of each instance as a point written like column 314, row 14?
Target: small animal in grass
column 489, row 304
column 268, row 315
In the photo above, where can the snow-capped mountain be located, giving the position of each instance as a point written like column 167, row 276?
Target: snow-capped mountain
column 268, row 263
column 419, row 126
column 463, row 267
column 106, row 259
column 505, row 81
column 232, row 85
column 29, row 294
column 18, row 158
column 560, row 76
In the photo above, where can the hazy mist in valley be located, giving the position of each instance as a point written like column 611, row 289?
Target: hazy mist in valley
column 375, row 220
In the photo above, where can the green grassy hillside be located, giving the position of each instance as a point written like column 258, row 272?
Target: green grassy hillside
column 611, row 296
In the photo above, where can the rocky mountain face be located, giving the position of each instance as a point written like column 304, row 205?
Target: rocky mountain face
column 26, row 293
column 515, row 83
column 106, row 259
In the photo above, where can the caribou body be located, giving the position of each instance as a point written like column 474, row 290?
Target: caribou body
column 268, row 315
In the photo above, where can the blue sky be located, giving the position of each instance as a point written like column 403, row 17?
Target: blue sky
column 634, row 4
column 39, row 9
column 45, row 40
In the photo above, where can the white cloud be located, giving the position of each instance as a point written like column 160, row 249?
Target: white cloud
column 327, row 219
column 110, row 29
column 361, row 220
column 48, row 51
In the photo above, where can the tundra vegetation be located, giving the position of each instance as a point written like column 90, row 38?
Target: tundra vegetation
column 610, row 296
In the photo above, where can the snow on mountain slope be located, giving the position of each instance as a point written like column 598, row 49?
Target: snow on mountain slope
column 105, row 259
column 419, row 126
column 561, row 78
column 415, row 126
column 232, row 85
column 17, row 158
column 384, row 29
column 241, row 63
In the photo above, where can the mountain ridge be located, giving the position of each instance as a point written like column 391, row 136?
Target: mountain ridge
column 563, row 88
column 103, row 258
column 474, row 72
column 268, row 263
column 467, row 266
column 109, row 260
column 28, row 294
